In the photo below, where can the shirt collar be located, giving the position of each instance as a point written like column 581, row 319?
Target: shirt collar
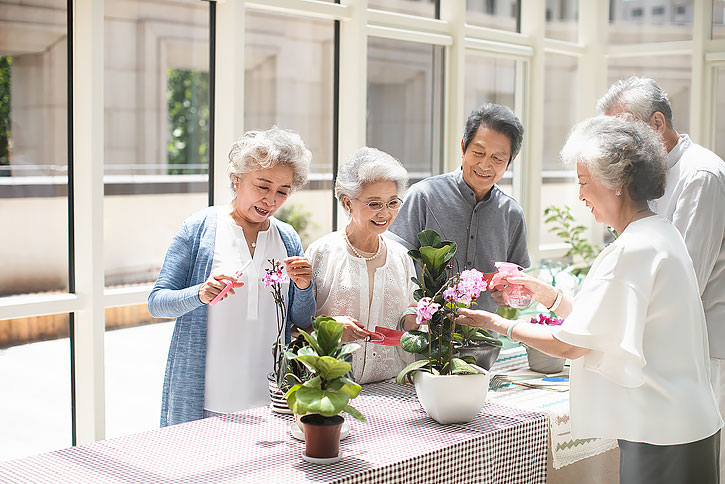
column 676, row 152
column 468, row 192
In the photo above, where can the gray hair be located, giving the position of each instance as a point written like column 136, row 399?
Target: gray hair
column 497, row 118
column 620, row 152
column 368, row 165
column 639, row 96
column 257, row 150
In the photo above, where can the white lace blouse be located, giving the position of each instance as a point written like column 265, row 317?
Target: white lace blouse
column 342, row 289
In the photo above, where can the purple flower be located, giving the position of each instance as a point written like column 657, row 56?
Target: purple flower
column 542, row 319
column 426, row 309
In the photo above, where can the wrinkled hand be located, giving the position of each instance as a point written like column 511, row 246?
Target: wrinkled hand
column 299, row 271
column 214, row 285
column 477, row 318
column 352, row 329
column 540, row 291
column 497, row 297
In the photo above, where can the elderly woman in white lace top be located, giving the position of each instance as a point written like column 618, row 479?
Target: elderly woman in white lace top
column 361, row 278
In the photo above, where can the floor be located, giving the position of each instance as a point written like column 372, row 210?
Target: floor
column 35, row 413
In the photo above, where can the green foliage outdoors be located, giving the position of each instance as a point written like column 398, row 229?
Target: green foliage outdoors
column 188, row 104
column 581, row 252
column 328, row 390
column 297, row 217
column 5, row 133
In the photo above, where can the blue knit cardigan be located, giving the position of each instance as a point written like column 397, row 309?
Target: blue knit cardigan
column 176, row 295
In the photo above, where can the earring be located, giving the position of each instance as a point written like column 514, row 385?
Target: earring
column 618, row 193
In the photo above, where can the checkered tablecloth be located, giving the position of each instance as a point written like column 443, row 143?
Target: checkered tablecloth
column 565, row 450
column 398, row 444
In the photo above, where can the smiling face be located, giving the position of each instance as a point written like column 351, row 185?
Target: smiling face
column 260, row 193
column 364, row 221
column 603, row 202
column 485, row 160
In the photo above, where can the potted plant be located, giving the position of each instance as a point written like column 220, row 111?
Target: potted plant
column 539, row 361
column 450, row 386
column 478, row 343
column 327, row 393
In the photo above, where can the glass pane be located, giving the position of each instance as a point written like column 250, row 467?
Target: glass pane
column 671, row 72
column 421, row 8
column 490, row 80
column 33, row 149
column 156, row 130
column 561, row 19
column 288, row 81
column 718, row 19
column 635, row 21
column 35, row 409
column 720, row 113
column 400, row 103
column 135, row 353
column 495, row 14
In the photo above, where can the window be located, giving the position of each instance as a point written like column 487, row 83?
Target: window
column 629, row 24
column 658, row 11
column 501, row 14
column 421, row 8
column 401, row 106
column 561, row 19
column 719, row 137
column 718, row 19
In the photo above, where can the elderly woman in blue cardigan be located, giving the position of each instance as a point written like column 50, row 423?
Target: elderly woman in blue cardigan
column 221, row 353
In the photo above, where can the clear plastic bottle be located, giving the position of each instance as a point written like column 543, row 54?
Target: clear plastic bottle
column 514, row 295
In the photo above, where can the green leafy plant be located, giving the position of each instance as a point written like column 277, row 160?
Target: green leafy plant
column 581, row 252
column 440, row 294
column 329, row 390
column 297, row 217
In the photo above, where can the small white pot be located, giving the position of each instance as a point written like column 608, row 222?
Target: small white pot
column 451, row 398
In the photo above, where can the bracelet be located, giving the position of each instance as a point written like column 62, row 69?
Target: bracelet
column 557, row 301
column 511, row 329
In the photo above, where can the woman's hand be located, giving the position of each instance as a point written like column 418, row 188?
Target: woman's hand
column 352, row 329
column 214, row 285
column 479, row 319
column 540, row 291
column 299, row 271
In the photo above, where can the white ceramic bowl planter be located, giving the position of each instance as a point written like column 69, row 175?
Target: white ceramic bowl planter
column 451, row 398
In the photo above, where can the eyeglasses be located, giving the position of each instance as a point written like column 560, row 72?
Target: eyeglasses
column 377, row 206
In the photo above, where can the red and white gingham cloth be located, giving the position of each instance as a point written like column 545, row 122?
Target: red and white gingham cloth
column 398, row 444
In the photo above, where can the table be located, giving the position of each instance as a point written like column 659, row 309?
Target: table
column 398, row 444
column 571, row 460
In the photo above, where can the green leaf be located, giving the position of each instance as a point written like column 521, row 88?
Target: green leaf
column 429, row 238
column 330, row 368
column 406, row 373
column 312, row 341
column 346, row 385
column 355, row 413
column 414, row 341
column 460, row 367
column 347, row 349
column 326, row 403
column 329, row 333
column 435, row 258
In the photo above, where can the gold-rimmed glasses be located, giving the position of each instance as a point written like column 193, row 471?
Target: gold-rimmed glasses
column 377, row 205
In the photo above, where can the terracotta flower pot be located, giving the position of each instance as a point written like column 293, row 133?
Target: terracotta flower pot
column 544, row 363
column 322, row 435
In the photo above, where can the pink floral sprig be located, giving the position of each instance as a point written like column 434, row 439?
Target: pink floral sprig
column 542, row 319
column 273, row 279
column 470, row 285
column 425, row 310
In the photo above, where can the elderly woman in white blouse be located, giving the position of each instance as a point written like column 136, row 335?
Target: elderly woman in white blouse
column 361, row 278
column 636, row 331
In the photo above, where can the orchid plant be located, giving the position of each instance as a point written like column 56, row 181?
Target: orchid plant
column 273, row 279
column 440, row 295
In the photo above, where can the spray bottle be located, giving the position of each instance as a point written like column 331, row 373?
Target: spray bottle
column 515, row 295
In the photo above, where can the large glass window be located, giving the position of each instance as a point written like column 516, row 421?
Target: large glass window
column 561, row 19
column 421, row 8
column 672, row 73
column 490, row 80
column 718, row 19
column 401, row 77
column 289, row 82
column 35, row 409
column 720, row 112
column 495, row 14
column 633, row 21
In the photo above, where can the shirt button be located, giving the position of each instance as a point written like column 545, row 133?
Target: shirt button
column 471, row 237
column 469, row 264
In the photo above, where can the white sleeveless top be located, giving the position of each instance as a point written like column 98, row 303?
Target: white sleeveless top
column 242, row 328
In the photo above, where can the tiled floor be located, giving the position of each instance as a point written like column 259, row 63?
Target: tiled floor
column 35, row 389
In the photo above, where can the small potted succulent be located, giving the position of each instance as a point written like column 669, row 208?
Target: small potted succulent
column 327, row 393
column 539, row 361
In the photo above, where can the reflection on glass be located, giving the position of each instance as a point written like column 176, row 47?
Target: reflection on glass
column 718, row 19
column 495, row 14
column 421, row 8
column 400, row 103
column 288, row 81
column 720, row 113
column 35, row 410
column 671, row 72
column 156, row 121
column 33, row 150
column 490, row 80
column 561, row 19
column 650, row 21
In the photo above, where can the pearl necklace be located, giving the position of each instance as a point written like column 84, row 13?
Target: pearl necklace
column 358, row 254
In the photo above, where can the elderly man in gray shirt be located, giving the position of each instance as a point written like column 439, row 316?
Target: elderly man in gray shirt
column 465, row 205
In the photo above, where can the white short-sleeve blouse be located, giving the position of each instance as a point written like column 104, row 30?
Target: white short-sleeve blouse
column 647, row 376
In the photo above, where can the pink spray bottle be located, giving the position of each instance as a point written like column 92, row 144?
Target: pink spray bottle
column 515, row 295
